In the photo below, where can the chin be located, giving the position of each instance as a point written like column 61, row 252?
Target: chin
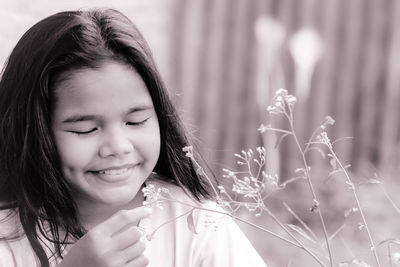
column 119, row 197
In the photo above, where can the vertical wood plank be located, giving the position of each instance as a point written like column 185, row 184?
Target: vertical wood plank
column 267, row 76
column 224, row 85
column 318, row 104
column 305, row 117
column 216, row 70
column 212, row 87
column 190, row 53
column 286, row 15
column 371, row 69
column 202, row 90
column 322, row 95
column 307, row 18
column 176, row 45
column 346, row 91
column 233, row 89
column 250, row 137
column 390, row 116
column 308, row 13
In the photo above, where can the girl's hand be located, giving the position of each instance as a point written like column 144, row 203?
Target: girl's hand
column 115, row 242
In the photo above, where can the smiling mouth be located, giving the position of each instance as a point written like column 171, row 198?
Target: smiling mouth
column 114, row 174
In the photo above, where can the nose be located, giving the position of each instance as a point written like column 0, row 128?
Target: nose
column 115, row 143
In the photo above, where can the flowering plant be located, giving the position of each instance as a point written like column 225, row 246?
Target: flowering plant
column 252, row 188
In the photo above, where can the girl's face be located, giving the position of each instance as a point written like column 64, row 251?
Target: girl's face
column 107, row 133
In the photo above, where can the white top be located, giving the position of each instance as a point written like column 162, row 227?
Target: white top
column 203, row 239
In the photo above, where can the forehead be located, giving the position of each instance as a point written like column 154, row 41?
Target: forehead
column 111, row 86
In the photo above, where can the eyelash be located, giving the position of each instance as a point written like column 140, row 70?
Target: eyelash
column 137, row 123
column 84, row 133
column 94, row 129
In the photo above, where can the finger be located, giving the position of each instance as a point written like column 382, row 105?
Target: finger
column 127, row 237
column 139, row 261
column 132, row 252
column 122, row 219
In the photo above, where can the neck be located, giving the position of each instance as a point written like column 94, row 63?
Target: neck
column 93, row 214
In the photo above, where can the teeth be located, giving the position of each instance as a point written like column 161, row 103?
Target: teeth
column 114, row 172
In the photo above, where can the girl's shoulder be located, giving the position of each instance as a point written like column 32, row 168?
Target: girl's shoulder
column 14, row 246
column 10, row 225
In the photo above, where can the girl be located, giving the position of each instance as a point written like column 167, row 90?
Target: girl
column 85, row 123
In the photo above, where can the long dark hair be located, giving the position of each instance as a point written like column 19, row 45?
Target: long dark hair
column 31, row 181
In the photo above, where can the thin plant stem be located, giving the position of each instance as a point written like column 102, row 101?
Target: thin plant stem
column 346, row 246
column 321, row 218
column 353, row 189
column 311, row 138
column 200, row 169
column 390, row 255
column 300, row 220
column 390, row 199
column 337, row 232
column 249, row 167
column 222, row 213
column 278, row 130
column 298, row 245
column 290, row 233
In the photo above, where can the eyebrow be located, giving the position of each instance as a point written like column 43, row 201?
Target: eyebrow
column 81, row 118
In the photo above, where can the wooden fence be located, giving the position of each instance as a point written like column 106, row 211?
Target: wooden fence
column 229, row 56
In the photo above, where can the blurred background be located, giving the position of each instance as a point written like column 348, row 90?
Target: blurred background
column 222, row 61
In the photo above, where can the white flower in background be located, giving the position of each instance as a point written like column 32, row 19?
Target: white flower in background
column 306, row 48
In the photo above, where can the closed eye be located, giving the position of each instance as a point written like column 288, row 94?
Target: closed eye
column 137, row 123
column 84, row 132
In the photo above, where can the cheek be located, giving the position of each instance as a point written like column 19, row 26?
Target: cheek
column 74, row 155
column 150, row 144
column 156, row 143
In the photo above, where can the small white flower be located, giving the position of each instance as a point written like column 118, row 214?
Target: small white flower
column 262, row 128
column 221, row 189
column 153, row 195
column 291, row 100
column 261, row 150
column 188, row 150
column 281, row 92
column 329, row 120
column 323, row 138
